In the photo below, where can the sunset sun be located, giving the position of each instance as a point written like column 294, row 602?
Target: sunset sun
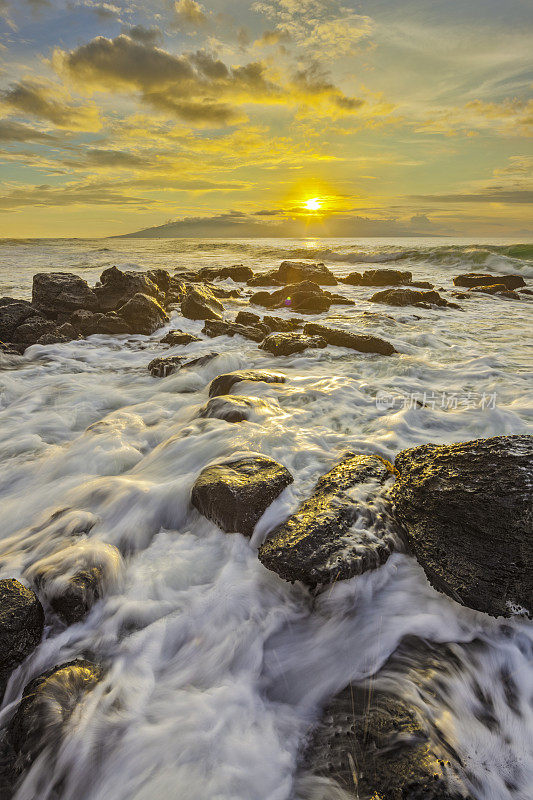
column 313, row 204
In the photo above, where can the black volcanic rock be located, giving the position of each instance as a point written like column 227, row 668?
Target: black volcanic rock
column 480, row 279
column 223, row 383
column 235, row 494
column 143, row 314
column 231, row 408
column 115, row 288
column 56, row 293
column 200, row 303
column 315, row 545
column 21, row 626
column 467, row 512
column 339, row 338
column 176, row 337
column 216, row 327
column 286, row 344
column 297, row 271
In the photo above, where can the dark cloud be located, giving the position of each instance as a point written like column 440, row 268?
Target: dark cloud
column 113, row 158
column 11, row 131
column 42, row 101
column 147, row 36
column 78, row 194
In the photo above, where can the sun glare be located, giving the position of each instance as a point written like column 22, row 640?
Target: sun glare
column 313, row 204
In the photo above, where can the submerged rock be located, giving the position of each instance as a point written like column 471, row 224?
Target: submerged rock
column 175, row 337
column 75, row 600
column 223, row 383
column 481, row 279
column 235, row 494
column 286, row 344
column 143, row 314
column 21, row 626
column 56, row 293
column 315, row 545
column 163, row 366
column 232, row 408
column 216, row 327
column 339, row 338
column 200, row 303
column 467, row 512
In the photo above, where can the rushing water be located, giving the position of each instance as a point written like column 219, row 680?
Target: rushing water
column 216, row 668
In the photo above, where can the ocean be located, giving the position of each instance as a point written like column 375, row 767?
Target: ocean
column 217, row 669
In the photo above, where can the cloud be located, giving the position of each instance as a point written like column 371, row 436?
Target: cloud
column 65, row 195
column 507, row 117
column 190, row 13
column 47, row 102
column 11, row 131
column 490, row 195
column 146, row 36
column 271, row 38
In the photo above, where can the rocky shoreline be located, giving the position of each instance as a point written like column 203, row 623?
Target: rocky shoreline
column 464, row 511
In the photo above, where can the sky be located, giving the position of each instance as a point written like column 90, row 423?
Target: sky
column 226, row 118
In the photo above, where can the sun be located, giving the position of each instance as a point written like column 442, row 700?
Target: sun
column 313, row 204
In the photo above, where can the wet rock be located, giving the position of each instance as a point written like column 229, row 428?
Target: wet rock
column 408, row 297
column 85, row 322
column 79, row 595
column 526, row 291
column 379, row 277
column 200, row 303
column 161, row 278
column 8, row 350
column 215, row 327
column 166, row 365
column 143, row 314
column 467, row 512
column 315, row 545
column 176, row 337
column 45, row 709
column 297, row 271
column 285, row 344
column 31, row 331
column 21, row 626
column 112, row 324
column 374, row 745
column 281, row 325
column 266, row 279
column 306, row 297
column 423, row 285
column 53, row 338
column 497, row 289
column 68, row 331
column 361, row 342
column 339, row 299
column 232, row 408
column 235, row 494
column 55, row 293
column 247, row 318
column 220, row 291
column 115, row 288
column 12, row 314
column 481, row 279
column 223, row 383
column 237, row 272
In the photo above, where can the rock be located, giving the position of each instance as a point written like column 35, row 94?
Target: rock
column 55, row 293
column 12, row 314
column 68, row 331
column 374, row 745
column 44, row 711
column 315, row 545
column 232, row 408
column 497, row 289
column 85, row 322
column 112, row 324
column 32, row 330
column 176, row 337
column 200, row 303
column 360, row 342
column 306, row 297
column 167, row 365
column 216, row 327
column 21, row 626
column 115, row 288
column 8, row 350
column 423, row 285
column 143, row 314
column 297, row 271
column 379, row 277
column 220, row 291
column 247, row 318
column 281, row 325
column 223, row 383
column 161, row 278
column 235, row 494
column 52, row 338
column 526, row 291
column 285, row 344
column 237, row 272
column 79, row 595
column 481, row 279
column 467, row 512
column 266, row 279
column 408, row 297
column 339, row 299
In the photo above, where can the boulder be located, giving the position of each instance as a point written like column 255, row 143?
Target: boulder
column 339, row 299
column 220, row 291
column 280, row 324
column 216, row 327
column 285, row 344
column 112, row 324
column 115, row 288
column 355, row 341
column 306, row 297
column 176, row 337
column 232, row 408
column 85, row 322
column 408, row 297
column 480, row 279
column 200, row 303
column 237, row 272
column 466, row 509
column 353, row 279
column 223, row 383
column 55, row 293
column 68, row 331
column 497, row 289
column 266, row 279
column 31, row 331
column 424, row 285
column 143, row 314
column 378, row 277
column 161, row 278
column 77, row 597
column 316, row 545
column 46, row 706
column 12, row 314
column 247, row 318
column 297, row 271
column 235, row 494
column 167, row 365
column 21, row 626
